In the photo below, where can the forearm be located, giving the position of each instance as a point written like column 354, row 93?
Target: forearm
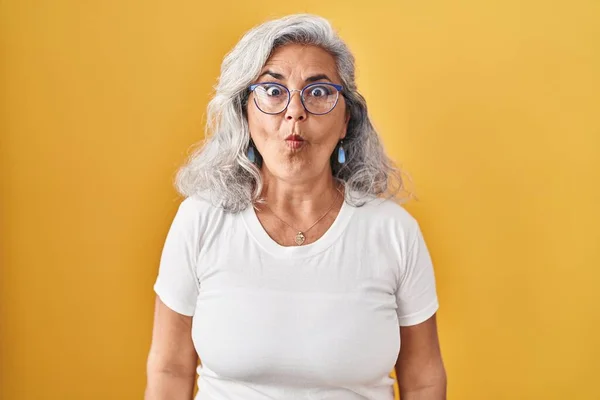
column 437, row 392
column 166, row 386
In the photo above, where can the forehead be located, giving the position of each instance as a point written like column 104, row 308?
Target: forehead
column 297, row 59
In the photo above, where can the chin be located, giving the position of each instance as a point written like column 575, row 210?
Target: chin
column 291, row 169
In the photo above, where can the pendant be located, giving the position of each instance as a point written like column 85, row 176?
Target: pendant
column 300, row 238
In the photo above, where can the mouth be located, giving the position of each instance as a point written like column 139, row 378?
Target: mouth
column 295, row 141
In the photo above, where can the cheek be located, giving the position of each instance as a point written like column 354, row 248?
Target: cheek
column 252, row 117
column 261, row 125
column 338, row 116
column 335, row 128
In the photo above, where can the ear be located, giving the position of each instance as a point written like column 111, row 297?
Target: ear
column 345, row 129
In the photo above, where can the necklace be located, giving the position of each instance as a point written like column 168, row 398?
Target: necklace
column 301, row 235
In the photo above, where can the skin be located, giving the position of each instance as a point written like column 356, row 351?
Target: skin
column 172, row 360
column 298, row 182
column 299, row 188
column 420, row 370
column 295, row 66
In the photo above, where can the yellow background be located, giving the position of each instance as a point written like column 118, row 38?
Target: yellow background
column 491, row 107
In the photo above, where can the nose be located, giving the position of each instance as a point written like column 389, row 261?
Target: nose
column 295, row 110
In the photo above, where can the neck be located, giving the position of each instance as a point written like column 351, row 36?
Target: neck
column 300, row 200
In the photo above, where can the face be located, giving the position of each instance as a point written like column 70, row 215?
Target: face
column 296, row 145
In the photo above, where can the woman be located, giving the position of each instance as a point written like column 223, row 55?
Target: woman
column 288, row 269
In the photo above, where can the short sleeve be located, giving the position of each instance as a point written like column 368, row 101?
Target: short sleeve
column 416, row 296
column 176, row 283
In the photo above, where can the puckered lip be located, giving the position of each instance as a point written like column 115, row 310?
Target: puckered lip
column 295, row 138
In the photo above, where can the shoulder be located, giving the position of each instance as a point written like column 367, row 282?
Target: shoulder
column 200, row 210
column 386, row 222
column 200, row 204
column 387, row 212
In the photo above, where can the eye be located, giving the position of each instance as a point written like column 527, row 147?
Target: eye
column 273, row 91
column 320, row 91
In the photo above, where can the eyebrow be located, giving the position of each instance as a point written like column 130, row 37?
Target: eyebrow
column 313, row 78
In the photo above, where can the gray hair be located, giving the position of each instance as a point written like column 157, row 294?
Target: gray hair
column 220, row 166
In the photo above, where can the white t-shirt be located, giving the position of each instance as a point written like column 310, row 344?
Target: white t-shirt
column 319, row 321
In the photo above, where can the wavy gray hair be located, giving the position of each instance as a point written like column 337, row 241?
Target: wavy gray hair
column 220, row 166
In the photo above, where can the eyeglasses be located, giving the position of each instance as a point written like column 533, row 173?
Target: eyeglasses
column 317, row 98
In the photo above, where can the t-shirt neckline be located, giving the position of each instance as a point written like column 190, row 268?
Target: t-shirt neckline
column 258, row 232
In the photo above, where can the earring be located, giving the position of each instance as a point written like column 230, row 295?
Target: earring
column 341, row 153
column 250, row 153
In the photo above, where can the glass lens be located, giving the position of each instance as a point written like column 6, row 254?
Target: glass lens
column 271, row 98
column 320, row 98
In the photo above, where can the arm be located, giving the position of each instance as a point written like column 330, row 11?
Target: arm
column 420, row 369
column 172, row 360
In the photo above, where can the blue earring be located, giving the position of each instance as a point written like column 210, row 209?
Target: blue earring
column 250, row 154
column 341, row 153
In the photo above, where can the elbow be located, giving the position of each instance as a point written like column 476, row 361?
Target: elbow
column 157, row 366
column 430, row 383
